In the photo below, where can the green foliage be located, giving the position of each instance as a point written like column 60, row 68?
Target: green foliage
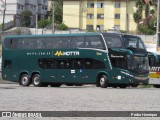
column 58, row 11
column 43, row 23
column 147, row 26
column 26, row 18
column 146, row 30
column 137, row 17
column 62, row 27
column 152, row 11
column 90, row 30
column 147, row 10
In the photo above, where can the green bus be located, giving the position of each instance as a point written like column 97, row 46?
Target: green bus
column 71, row 59
column 129, row 52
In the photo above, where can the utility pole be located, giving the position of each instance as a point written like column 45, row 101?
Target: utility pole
column 36, row 23
column 53, row 30
column 4, row 12
column 127, row 25
column 158, row 21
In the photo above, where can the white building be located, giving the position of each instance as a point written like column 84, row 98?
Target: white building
column 15, row 7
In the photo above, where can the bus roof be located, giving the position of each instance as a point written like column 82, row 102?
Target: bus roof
column 51, row 35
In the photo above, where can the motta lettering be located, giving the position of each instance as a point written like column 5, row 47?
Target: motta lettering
column 154, row 69
column 67, row 53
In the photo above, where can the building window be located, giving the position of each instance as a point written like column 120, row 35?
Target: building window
column 90, row 5
column 89, row 27
column 117, row 4
column 100, row 16
column 19, row 6
column 117, row 16
column 100, row 27
column 100, row 5
column 90, row 16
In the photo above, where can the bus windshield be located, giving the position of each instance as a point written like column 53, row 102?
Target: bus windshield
column 139, row 63
column 133, row 42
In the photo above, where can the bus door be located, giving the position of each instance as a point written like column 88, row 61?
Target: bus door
column 119, row 63
column 8, row 69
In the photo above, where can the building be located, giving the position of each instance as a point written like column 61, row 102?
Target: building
column 100, row 14
column 15, row 7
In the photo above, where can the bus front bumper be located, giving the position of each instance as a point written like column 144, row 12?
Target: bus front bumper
column 141, row 80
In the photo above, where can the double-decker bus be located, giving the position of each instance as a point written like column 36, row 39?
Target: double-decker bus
column 129, row 52
column 71, row 59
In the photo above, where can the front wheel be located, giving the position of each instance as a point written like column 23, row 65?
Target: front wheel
column 36, row 80
column 103, row 81
column 25, row 80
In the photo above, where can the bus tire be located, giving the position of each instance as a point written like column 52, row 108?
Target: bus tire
column 25, row 80
column 103, row 81
column 55, row 85
column 36, row 80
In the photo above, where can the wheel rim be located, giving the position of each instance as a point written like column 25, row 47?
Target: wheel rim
column 102, row 81
column 25, row 80
column 36, row 80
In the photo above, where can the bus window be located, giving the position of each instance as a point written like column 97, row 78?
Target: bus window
column 10, row 43
column 49, row 64
column 88, row 63
column 61, row 42
column 7, row 64
column 119, row 62
column 133, row 42
column 61, row 64
column 80, row 42
column 94, row 42
column 72, row 42
column 77, row 63
column 98, row 64
column 113, row 41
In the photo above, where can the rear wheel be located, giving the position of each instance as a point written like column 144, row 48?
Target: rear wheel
column 36, row 80
column 25, row 80
column 103, row 81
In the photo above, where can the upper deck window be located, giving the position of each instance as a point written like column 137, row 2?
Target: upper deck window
column 55, row 42
column 133, row 42
column 113, row 41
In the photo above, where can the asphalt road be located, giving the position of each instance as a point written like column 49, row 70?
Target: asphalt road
column 84, row 98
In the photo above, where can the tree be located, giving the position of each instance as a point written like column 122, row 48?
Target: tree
column 138, row 14
column 43, row 23
column 26, row 18
column 58, row 11
column 146, row 25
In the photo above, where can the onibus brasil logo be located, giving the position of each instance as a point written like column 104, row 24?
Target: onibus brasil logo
column 66, row 53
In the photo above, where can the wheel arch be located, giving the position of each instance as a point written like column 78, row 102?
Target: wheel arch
column 34, row 72
column 100, row 74
column 22, row 73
